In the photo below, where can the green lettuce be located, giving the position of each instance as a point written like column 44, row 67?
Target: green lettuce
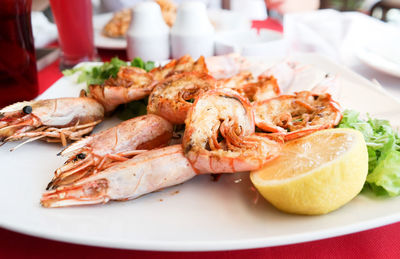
column 132, row 109
column 96, row 75
column 383, row 144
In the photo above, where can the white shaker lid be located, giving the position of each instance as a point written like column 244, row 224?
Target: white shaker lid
column 147, row 19
column 192, row 18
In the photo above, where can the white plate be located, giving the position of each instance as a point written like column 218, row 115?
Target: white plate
column 100, row 41
column 223, row 20
column 197, row 215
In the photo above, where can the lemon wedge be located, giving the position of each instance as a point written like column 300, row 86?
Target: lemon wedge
column 315, row 174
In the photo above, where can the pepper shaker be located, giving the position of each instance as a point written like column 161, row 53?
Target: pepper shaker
column 148, row 34
column 192, row 32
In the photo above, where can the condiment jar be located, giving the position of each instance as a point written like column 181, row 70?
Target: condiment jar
column 148, row 35
column 252, row 9
column 192, row 32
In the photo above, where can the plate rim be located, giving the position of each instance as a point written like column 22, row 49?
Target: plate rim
column 149, row 245
column 230, row 245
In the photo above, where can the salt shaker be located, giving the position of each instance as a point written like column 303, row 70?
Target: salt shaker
column 192, row 32
column 252, row 9
column 148, row 34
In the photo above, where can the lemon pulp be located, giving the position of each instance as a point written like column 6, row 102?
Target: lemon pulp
column 315, row 174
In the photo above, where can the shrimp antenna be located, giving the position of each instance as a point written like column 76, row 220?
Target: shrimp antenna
column 27, row 141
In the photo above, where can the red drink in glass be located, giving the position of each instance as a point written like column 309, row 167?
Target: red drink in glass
column 18, row 76
column 75, row 30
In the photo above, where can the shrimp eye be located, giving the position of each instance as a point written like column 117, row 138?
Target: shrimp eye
column 27, row 109
column 81, row 156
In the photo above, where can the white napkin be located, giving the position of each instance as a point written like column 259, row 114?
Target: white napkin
column 338, row 35
column 342, row 37
column 44, row 32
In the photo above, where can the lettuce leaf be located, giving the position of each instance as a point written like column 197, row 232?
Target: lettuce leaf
column 95, row 75
column 132, row 109
column 386, row 174
column 383, row 152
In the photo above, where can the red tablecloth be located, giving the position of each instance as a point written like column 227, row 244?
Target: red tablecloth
column 383, row 242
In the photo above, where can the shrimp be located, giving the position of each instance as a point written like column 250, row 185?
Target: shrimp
column 235, row 82
column 173, row 97
column 294, row 77
column 265, row 88
column 142, row 174
column 53, row 120
column 297, row 115
column 329, row 84
column 131, row 84
column 104, row 149
column 184, row 64
column 219, row 135
column 284, row 72
column 226, row 66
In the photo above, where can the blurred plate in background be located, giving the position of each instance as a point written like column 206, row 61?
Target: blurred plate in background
column 101, row 41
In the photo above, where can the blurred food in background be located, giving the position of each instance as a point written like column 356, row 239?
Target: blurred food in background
column 119, row 24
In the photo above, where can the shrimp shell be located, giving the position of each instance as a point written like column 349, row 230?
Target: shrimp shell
column 53, row 120
column 173, row 97
column 226, row 66
column 263, row 89
column 297, row 115
column 219, row 135
column 183, row 64
column 142, row 174
column 99, row 151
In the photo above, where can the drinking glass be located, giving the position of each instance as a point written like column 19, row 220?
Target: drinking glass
column 18, row 76
column 75, row 31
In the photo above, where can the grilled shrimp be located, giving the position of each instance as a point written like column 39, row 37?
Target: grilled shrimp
column 131, row 84
column 294, row 77
column 329, row 84
column 219, row 135
column 264, row 88
column 284, row 72
column 183, row 64
column 237, row 81
column 226, row 66
column 53, row 120
column 297, row 115
column 173, row 97
column 104, row 149
column 142, row 174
